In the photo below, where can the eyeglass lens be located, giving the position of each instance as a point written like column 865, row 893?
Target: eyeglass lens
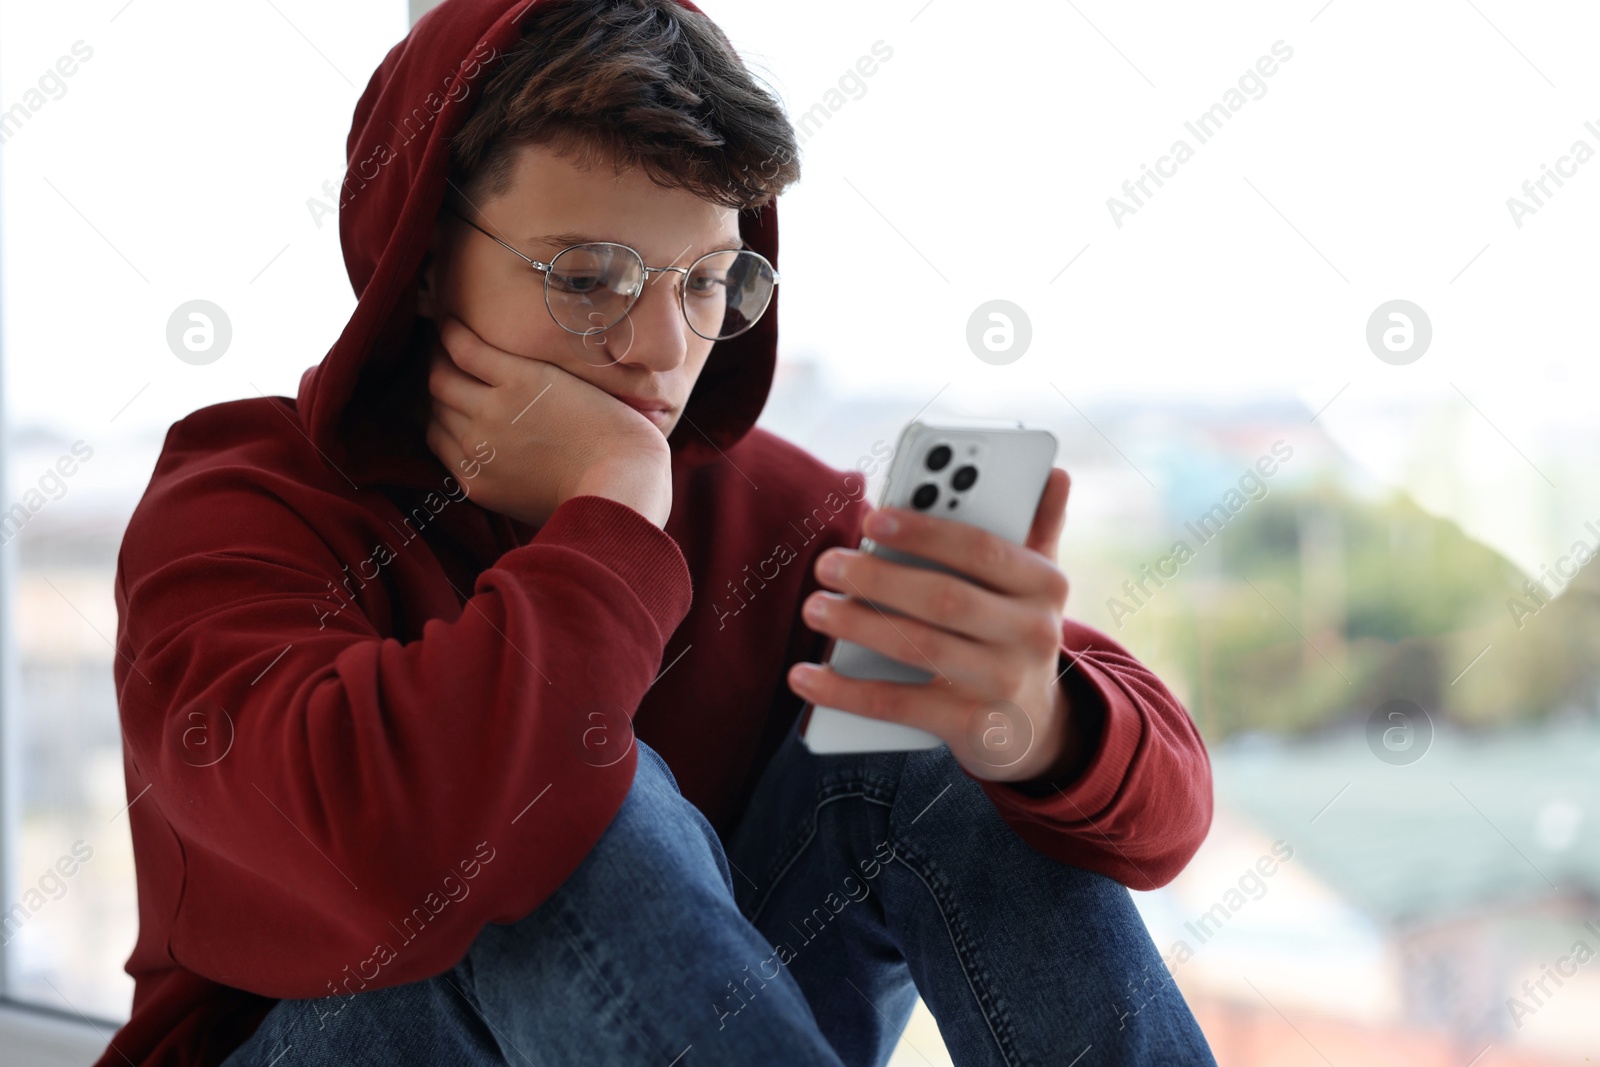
column 590, row 287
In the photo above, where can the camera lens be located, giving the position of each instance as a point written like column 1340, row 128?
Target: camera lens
column 938, row 458
column 963, row 478
column 924, row 497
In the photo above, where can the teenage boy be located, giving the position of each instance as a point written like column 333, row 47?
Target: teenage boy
column 445, row 739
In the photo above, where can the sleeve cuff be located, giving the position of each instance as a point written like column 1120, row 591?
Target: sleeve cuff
column 1076, row 798
column 641, row 553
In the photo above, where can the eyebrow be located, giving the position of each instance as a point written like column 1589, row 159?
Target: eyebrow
column 564, row 240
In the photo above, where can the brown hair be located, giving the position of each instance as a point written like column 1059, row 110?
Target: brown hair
column 641, row 83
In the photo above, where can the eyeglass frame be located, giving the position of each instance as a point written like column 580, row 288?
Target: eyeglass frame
column 546, row 268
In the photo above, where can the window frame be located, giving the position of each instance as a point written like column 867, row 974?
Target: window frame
column 37, row 1035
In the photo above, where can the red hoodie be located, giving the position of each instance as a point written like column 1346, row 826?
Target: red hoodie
column 363, row 716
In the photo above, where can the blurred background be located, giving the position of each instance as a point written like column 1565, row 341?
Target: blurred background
column 1352, row 534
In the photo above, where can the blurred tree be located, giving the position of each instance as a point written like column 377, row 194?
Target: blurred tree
column 1314, row 607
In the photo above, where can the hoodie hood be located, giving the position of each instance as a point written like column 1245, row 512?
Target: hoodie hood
column 365, row 405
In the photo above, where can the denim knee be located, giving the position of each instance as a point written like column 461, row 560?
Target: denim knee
column 638, row 948
column 660, row 832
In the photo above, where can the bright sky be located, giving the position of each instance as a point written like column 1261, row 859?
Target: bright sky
column 975, row 164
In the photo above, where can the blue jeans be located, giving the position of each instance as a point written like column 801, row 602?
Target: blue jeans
column 852, row 884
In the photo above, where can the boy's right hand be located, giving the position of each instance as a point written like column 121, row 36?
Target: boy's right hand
column 551, row 435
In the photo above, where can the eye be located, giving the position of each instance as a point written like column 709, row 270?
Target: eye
column 595, row 270
column 707, row 283
column 579, row 282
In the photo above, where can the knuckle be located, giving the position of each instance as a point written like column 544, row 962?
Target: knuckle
column 1056, row 586
column 1047, row 633
column 950, row 600
column 988, row 550
column 457, row 340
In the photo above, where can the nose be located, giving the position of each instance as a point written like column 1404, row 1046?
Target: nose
column 661, row 337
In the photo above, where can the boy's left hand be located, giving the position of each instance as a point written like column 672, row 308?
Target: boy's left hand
column 992, row 643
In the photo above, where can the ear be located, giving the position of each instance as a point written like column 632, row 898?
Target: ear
column 428, row 273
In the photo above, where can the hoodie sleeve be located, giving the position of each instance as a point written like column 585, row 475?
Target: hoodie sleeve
column 367, row 804
column 1141, row 807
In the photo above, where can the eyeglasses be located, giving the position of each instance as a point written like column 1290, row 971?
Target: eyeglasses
column 588, row 288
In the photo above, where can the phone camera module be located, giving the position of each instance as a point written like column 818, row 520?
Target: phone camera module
column 938, row 458
column 924, row 497
column 963, row 478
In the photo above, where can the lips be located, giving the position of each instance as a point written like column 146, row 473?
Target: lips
column 644, row 404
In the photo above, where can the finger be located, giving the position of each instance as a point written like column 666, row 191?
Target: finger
column 457, row 424
column 454, row 387
column 929, row 706
column 445, row 445
column 951, row 658
column 1051, row 518
column 474, row 355
column 947, row 601
column 987, row 559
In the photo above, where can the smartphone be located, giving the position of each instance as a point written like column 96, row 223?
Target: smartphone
column 988, row 473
